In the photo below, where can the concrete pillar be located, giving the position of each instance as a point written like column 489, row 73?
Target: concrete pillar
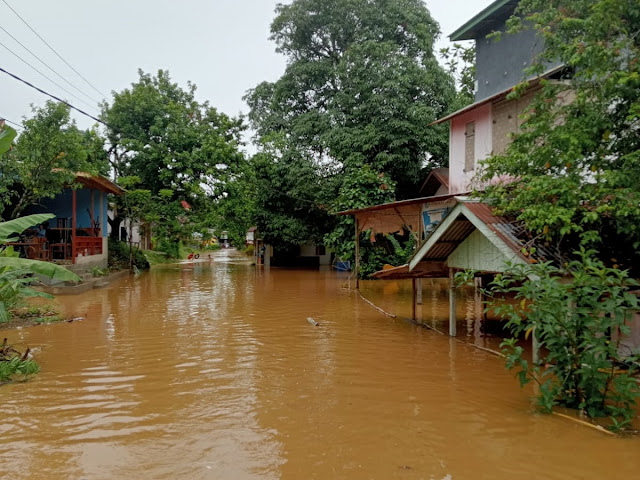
column 267, row 255
column 535, row 347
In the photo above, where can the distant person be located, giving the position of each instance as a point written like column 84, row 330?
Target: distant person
column 41, row 232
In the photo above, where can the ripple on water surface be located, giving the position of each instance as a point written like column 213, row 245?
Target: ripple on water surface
column 210, row 370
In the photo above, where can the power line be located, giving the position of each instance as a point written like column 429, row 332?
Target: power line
column 38, row 71
column 47, row 65
column 58, row 99
column 19, row 126
column 53, row 50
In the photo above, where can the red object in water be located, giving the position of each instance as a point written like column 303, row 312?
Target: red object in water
column 190, row 257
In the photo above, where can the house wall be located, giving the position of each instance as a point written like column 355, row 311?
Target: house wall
column 460, row 178
column 62, row 207
column 476, row 252
column 443, row 190
column 507, row 118
column 87, row 262
column 309, row 250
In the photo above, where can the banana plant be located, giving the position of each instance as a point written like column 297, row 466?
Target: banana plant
column 7, row 135
column 16, row 273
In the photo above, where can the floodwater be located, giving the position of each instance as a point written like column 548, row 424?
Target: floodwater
column 212, row 371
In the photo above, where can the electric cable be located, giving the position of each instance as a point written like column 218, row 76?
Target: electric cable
column 53, row 50
column 58, row 99
column 19, row 126
column 47, row 65
column 38, row 71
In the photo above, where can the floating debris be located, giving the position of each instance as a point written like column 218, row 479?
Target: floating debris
column 313, row 322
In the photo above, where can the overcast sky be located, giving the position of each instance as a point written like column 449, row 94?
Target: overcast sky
column 220, row 45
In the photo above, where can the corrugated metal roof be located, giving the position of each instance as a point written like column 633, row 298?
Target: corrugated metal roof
column 513, row 233
column 437, row 177
column 400, row 203
column 99, row 183
column 510, row 231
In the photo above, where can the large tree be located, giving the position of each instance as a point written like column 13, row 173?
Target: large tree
column 179, row 149
column 360, row 89
column 158, row 131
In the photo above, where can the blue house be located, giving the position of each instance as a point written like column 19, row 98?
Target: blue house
column 78, row 233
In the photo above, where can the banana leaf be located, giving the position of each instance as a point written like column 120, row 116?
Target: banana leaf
column 50, row 270
column 19, row 225
column 7, row 134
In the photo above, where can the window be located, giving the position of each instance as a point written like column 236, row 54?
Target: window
column 469, row 146
column 321, row 250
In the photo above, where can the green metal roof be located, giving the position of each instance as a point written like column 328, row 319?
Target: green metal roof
column 485, row 21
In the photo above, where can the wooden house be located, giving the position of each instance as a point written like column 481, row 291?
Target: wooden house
column 78, row 233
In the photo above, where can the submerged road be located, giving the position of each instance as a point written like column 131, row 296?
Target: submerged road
column 212, row 371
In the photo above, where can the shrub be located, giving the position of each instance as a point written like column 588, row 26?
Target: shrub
column 15, row 365
column 578, row 315
column 121, row 255
column 250, row 250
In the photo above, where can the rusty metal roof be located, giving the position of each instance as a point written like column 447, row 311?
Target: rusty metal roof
column 99, row 183
column 400, row 203
column 514, row 234
column 436, row 178
column 510, row 231
column 424, row 270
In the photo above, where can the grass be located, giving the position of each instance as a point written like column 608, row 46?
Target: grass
column 157, row 258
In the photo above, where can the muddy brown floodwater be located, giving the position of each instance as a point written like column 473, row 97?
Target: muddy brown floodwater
column 211, row 371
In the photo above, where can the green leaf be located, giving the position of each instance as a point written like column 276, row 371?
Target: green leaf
column 19, row 225
column 47, row 269
column 7, row 135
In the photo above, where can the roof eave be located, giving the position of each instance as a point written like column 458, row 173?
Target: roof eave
column 465, row 31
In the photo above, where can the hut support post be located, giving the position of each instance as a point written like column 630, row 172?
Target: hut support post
column 357, row 263
column 413, row 299
column 452, row 304
column 73, row 225
column 535, row 347
column 418, row 287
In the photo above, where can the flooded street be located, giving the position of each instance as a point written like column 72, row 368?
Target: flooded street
column 211, row 371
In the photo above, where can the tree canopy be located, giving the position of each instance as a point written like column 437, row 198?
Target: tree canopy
column 176, row 154
column 159, row 132
column 361, row 87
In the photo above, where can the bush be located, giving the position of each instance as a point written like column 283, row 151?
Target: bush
column 250, row 250
column 15, row 365
column 578, row 315
column 170, row 247
column 120, row 254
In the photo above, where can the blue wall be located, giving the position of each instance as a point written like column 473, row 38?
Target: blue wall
column 62, row 207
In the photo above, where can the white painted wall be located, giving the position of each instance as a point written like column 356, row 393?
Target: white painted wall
column 309, row 250
column 459, row 179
